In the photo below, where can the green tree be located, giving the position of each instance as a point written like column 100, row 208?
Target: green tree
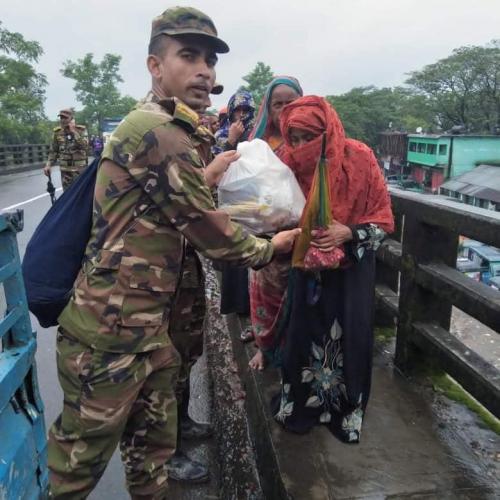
column 464, row 88
column 96, row 88
column 22, row 90
column 367, row 111
column 257, row 81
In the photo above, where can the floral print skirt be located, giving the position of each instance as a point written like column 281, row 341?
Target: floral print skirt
column 327, row 349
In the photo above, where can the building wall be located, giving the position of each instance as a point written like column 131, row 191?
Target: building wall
column 468, row 151
column 471, row 200
column 444, row 145
column 418, row 174
column 430, row 151
column 437, row 180
column 421, row 150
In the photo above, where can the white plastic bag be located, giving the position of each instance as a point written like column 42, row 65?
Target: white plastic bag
column 259, row 191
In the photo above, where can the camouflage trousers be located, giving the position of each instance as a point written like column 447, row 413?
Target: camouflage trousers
column 112, row 398
column 68, row 176
column 186, row 323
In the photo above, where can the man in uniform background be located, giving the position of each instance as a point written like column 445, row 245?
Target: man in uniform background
column 116, row 362
column 69, row 147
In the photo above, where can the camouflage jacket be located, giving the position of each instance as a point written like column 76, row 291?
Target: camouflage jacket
column 203, row 140
column 149, row 198
column 69, row 149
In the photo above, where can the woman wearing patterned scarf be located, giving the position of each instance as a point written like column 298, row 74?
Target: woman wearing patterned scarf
column 326, row 343
column 282, row 90
column 238, row 124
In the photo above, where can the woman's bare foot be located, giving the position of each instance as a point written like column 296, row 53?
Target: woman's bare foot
column 257, row 362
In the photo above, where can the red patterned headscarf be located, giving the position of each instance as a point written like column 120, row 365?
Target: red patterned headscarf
column 358, row 191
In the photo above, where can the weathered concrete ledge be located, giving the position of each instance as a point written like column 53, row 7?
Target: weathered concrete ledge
column 239, row 477
column 408, row 448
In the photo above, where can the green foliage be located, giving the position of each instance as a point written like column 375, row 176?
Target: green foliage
column 445, row 384
column 429, row 372
column 96, row 88
column 257, row 81
column 367, row 111
column 464, row 88
column 22, row 90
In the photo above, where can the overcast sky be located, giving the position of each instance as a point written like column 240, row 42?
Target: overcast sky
column 331, row 46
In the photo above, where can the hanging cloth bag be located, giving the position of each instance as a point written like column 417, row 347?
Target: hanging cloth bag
column 317, row 215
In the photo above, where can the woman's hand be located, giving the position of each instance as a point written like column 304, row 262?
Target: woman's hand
column 215, row 169
column 235, row 132
column 327, row 239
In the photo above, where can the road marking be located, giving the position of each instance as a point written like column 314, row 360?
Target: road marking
column 27, row 201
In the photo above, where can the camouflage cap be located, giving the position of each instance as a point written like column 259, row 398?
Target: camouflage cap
column 66, row 113
column 187, row 21
column 217, row 89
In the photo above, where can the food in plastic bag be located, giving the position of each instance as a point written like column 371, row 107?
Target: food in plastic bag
column 259, row 191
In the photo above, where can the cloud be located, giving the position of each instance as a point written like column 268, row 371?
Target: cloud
column 331, row 46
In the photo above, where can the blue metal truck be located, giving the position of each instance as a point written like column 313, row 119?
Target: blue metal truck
column 23, row 442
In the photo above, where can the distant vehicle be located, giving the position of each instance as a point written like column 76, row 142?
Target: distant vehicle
column 495, row 283
column 410, row 185
column 396, row 179
column 108, row 125
column 480, row 262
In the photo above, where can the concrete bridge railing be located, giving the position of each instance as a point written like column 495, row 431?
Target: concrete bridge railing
column 19, row 157
column 417, row 285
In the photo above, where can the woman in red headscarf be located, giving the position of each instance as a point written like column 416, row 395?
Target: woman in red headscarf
column 326, row 339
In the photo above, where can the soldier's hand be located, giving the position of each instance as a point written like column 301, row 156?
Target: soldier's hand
column 283, row 241
column 72, row 125
column 215, row 170
column 46, row 170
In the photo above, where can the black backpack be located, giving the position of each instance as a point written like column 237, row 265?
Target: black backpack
column 55, row 252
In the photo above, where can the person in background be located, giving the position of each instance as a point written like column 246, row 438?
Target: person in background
column 238, row 124
column 326, row 343
column 236, row 128
column 69, row 147
column 210, row 119
column 268, row 285
column 97, row 146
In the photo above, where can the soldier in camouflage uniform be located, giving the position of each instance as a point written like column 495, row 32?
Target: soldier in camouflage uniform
column 69, row 147
column 116, row 362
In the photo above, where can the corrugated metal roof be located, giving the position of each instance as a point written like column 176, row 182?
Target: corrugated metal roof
column 453, row 185
column 481, row 182
column 487, row 252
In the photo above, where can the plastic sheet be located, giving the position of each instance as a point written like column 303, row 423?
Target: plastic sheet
column 259, row 191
